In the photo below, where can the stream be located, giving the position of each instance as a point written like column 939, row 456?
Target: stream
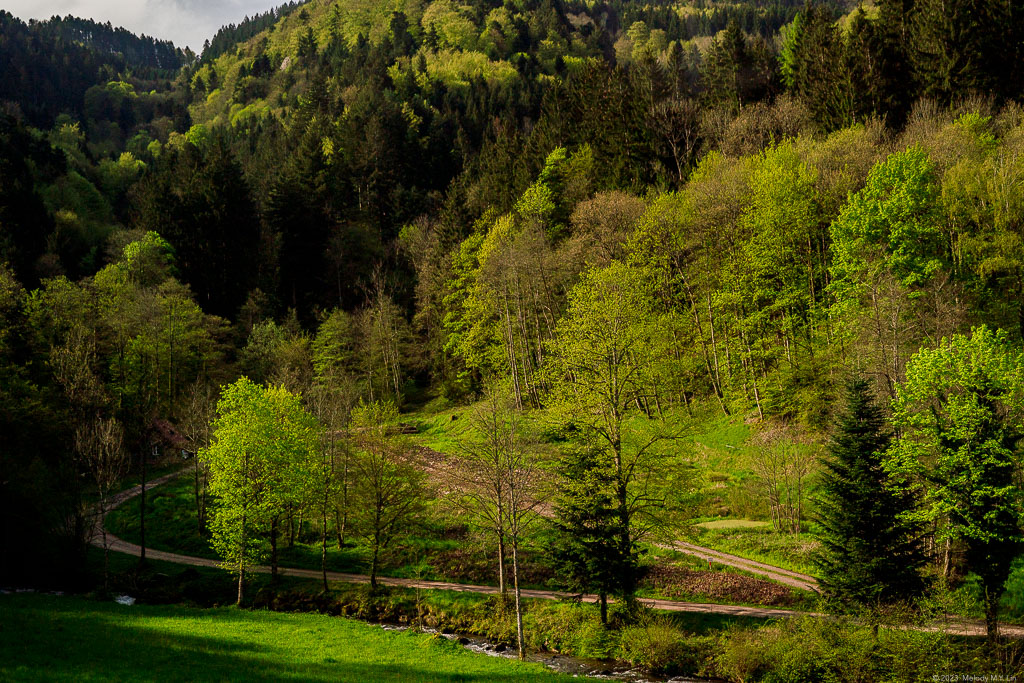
column 566, row 664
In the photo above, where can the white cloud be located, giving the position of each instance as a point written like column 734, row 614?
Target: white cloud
column 186, row 22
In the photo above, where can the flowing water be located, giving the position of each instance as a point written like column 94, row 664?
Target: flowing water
column 566, row 664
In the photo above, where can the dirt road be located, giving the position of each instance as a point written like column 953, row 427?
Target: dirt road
column 783, row 576
column 952, row 626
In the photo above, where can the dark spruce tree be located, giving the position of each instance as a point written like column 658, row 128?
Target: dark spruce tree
column 587, row 551
column 870, row 555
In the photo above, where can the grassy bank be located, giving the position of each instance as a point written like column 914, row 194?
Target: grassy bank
column 272, row 640
column 65, row 638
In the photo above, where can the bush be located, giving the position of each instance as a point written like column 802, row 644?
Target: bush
column 571, row 628
column 657, row 646
column 840, row 651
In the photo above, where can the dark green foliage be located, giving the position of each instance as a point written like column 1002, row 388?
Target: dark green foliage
column 229, row 36
column 24, row 222
column 40, row 513
column 870, row 555
column 738, row 70
column 965, row 46
column 47, row 66
column 818, row 72
column 992, row 550
column 587, row 550
column 200, row 202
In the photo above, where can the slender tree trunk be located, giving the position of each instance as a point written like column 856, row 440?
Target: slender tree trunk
column 519, row 602
column 273, row 550
column 323, row 546
column 502, row 588
column 373, row 565
column 199, row 512
column 603, row 599
column 340, row 518
column 142, row 514
column 714, row 343
column 715, row 384
column 945, row 561
column 241, row 565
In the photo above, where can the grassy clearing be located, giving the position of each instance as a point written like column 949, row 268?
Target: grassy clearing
column 443, row 547
column 763, row 544
column 64, row 638
column 734, row 524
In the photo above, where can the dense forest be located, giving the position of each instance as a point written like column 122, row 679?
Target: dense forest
column 619, row 216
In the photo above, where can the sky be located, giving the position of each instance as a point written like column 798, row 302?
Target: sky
column 186, row 22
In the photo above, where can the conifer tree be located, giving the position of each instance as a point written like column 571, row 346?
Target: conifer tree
column 588, row 551
column 870, row 553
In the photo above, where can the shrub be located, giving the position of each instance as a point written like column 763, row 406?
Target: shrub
column 657, row 645
column 570, row 628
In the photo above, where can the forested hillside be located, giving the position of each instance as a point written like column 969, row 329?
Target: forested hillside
column 628, row 216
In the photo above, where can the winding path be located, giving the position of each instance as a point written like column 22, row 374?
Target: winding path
column 787, row 577
column 783, row 576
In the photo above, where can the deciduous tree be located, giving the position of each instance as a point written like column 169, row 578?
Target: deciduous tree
column 959, row 414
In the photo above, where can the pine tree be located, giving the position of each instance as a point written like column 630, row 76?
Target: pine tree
column 870, row 554
column 815, row 68
column 587, row 550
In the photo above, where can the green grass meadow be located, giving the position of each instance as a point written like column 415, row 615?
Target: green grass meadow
column 56, row 638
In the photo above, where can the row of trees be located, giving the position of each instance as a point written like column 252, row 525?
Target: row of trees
column 272, row 457
column 953, row 466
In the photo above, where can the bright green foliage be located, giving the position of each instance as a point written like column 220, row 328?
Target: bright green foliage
column 871, row 553
column 469, row 321
column 783, row 223
column 604, row 363
column 149, row 260
column 334, row 348
column 791, row 36
column 537, row 203
column 260, row 356
column 984, row 202
column 891, row 226
column 452, row 27
column 959, row 414
column 263, row 445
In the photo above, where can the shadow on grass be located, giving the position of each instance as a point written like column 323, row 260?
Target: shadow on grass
column 55, row 638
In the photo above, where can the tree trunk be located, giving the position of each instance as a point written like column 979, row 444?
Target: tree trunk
column 323, row 548
column 519, row 602
column 273, row 550
column 199, row 510
column 945, row 562
column 373, row 565
column 339, row 523
column 991, row 616
column 604, row 608
column 502, row 588
column 142, row 514
column 241, row 564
